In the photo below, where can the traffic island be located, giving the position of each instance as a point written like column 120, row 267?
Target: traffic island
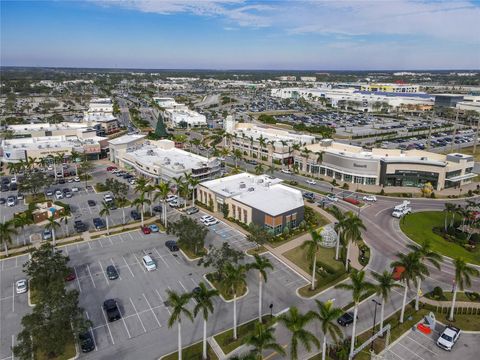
column 190, row 255
column 225, row 293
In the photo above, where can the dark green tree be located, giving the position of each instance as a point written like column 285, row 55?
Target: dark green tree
column 190, row 233
column 218, row 258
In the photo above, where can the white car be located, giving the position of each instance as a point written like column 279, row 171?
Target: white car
column 58, row 195
column 76, row 179
column 210, row 222
column 171, row 198
column 371, row 198
column 13, row 180
column 448, row 337
column 107, row 198
column 75, row 189
column 206, row 217
column 332, row 198
column 21, row 286
column 399, row 213
column 149, row 263
column 11, row 201
column 311, row 182
column 285, row 171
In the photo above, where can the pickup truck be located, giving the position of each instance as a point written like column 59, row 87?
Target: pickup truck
column 448, row 338
column 400, row 213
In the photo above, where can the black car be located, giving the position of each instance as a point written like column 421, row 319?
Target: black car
column 91, row 203
column 157, row 208
column 86, row 342
column 135, row 215
column 5, row 188
column 2, row 201
column 309, row 196
column 13, row 187
column 61, row 181
column 111, row 308
column 80, row 226
column 346, row 319
column 171, row 245
column 112, row 272
column 98, row 223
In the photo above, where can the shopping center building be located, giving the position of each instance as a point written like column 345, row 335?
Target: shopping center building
column 385, row 167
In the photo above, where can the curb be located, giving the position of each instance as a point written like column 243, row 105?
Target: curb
column 320, row 293
column 221, row 296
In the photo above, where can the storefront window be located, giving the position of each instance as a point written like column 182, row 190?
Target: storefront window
column 329, row 173
column 358, row 179
column 322, row 170
column 338, row 175
column 347, row 178
column 371, row 181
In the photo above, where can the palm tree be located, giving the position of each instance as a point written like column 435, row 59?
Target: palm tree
column 193, row 183
column 51, row 225
column 296, row 322
column 203, row 297
column 449, row 208
column 352, row 232
column 463, row 274
column 141, row 184
column 261, row 264
column 234, row 278
column 259, row 169
column 410, row 263
column 7, row 230
column 313, row 245
column 425, row 253
column 262, row 338
column 237, row 155
column 359, row 288
column 123, row 202
column 339, row 227
column 327, row 315
column 178, row 303
column 105, row 211
column 385, row 285
column 262, row 142
column 140, row 202
column 163, row 189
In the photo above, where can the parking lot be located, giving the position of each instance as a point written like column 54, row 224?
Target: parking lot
column 417, row 346
column 141, row 294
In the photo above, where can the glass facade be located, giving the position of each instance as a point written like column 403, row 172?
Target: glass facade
column 411, row 178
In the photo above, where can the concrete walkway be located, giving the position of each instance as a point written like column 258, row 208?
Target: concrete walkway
column 448, row 304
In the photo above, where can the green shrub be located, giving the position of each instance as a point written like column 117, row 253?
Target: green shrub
column 437, row 293
column 345, row 186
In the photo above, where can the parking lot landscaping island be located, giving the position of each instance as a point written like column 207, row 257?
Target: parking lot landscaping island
column 192, row 352
column 420, row 226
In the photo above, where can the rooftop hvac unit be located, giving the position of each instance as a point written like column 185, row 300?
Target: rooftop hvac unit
column 14, row 146
column 242, row 185
column 150, row 153
column 251, row 189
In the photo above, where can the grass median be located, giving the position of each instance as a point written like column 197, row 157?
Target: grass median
column 419, row 227
column 192, row 352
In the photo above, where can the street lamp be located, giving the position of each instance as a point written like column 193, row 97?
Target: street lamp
column 374, row 321
column 271, row 311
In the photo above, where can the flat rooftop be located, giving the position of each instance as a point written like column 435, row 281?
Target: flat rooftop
column 48, row 126
column 126, row 139
column 257, row 191
column 270, row 134
column 46, row 142
column 169, row 158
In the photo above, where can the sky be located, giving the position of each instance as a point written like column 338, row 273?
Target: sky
column 242, row 34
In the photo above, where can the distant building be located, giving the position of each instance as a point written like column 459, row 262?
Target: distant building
column 308, row 78
column 178, row 115
column 46, row 210
column 257, row 199
column 447, row 100
column 47, row 129
column 100, row 111
column 287, row 78
column 393, row 88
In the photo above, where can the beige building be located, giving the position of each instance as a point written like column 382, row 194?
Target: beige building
column 385, row 167
column 257, row 199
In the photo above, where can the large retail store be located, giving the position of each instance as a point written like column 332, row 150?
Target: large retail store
column 387, row 167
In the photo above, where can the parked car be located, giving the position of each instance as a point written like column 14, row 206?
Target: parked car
column 112, row 272
column 192, row 210
column 91, row 203
column 309, row 196
column 11, row 201
column 80, row 226
column 49, row 192
column 58, row 195
column 21, row 286
column 153, row 228
column 332, row 198
column 397, row 273
column 107, row 198
column 47, row 234
column 311, row 182
column 157, row 208
column 171, row 198
column 285, row 171
column 149, row 263
column 171, row 245
column 146, row 230
column 76, row 179
column 3, row 201
column 98, row 223
column 135, row 215
column 86, row 342
column 75, row 189
column 210, row 222
column 448, row 337
column 371, row 198
column 111, row 308
column 71, row 275
column 346, row 319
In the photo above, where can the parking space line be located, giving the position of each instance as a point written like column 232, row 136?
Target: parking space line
column 151, row 309
column 426, row 348
column 90, row 246
column 13, row 345
column 139, row 264
column 91, row 277
column 100, row 242
column 163, row 302
column 410, row 350
column 110, row 239
column 138, row 316
column 131, row 237
column 395, row 354
column 108, row 326
column 103, row 272
column 13, row 297
column 91, row 331
column 124, row 323
column 131, row 272
column 78, row 281
column 184, row 288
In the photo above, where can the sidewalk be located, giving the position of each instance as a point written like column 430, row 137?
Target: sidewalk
column 448, row 304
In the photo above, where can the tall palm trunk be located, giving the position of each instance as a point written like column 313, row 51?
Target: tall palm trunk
column 54, row 242
column 352, row 343
column 108, row 229
column 204, row 352
column 123, row 214
column 404, row 303
column 260, row 283
column 141, row 213
column 179, row 340
column 165, row 214
column 337, row 246
column 324, row 347
column 313, row 271
column 417, row 295
column 382, row 314
column 454, row 299
column 445, row 222
column 193, row 197
column 6, row 248
column 347, row 256
column 235, row 315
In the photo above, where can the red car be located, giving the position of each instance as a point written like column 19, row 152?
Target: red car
column 146, row 230
column 111, row 168
column 397, row 273
column 71, row 276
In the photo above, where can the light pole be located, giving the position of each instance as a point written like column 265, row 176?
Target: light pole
column 374, row 321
